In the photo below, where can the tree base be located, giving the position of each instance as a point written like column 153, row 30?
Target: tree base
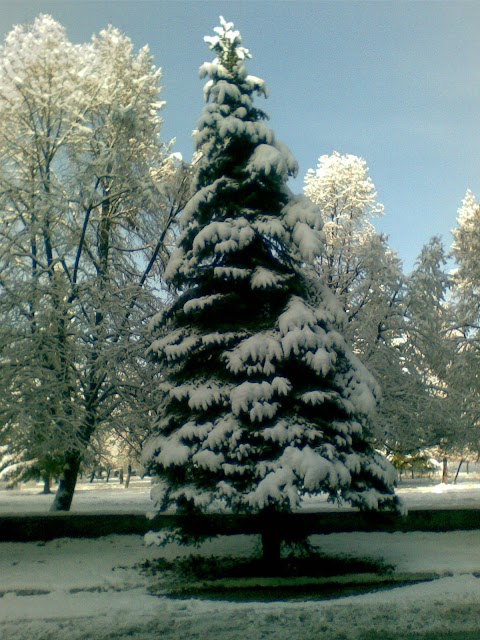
column 66, row 487
column 271, row 551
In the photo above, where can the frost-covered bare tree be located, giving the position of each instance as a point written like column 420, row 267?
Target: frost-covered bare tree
column 466, row 251
column 359, row 266
column 87, row 195
column 357, row 263
column 466, row 326
column 263, row 401
column 346, row 196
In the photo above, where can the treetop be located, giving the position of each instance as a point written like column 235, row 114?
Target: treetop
column 227, row 44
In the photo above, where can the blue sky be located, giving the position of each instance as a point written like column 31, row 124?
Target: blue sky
column 395, row 82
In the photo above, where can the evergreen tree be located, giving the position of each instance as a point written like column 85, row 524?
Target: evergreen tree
column 433, row 408
column 263, row 401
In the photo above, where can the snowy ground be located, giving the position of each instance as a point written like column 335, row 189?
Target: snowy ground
column 97, row 497
column 102, row 497
column 90, row 589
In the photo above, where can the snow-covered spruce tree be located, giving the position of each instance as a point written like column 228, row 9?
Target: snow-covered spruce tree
column 263, row 401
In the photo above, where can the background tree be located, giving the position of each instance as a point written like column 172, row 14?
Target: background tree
column 427, row 355
column 263, row 401
column 346, row 197
column 83, row 186
column 465, row 250
column 360, row 268
column 38, row 98
column 466, row 325
column 399, row 325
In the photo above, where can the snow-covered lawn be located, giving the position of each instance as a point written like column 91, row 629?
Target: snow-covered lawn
column 89, row 498
column 102, row 497
column 111, row 497
column 91, row 590
column 88, row 589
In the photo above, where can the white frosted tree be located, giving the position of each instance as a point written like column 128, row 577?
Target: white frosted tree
column 263, row 401
column 466, row 325
column 366, row 275
column 38, row 98
column 86, row 213
column 346, row 197
column 357, row 263
column 465, row 250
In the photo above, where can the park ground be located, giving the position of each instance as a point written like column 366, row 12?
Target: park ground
column 94, row 589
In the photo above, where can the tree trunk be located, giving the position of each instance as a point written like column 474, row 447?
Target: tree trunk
column 445, row 470
column 47, row 484
column 108, row 475
column 129, row 475
column 120, row 475
column 271, row 544
column 458, row 471
column 68, row 480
